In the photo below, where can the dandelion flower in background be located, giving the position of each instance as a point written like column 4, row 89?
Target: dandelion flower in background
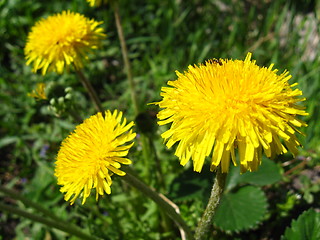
column 60, row 40
column 92, row 153
column 96, row 3
column 222, row 105
column 39, row 93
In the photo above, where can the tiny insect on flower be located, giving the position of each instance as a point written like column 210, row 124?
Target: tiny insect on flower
column 217, row 61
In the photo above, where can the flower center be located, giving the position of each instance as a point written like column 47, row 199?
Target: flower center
column 238, row 104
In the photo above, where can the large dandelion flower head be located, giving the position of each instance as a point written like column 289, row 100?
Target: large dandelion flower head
column 61, row 40
column 92, row 153
column 223, row 105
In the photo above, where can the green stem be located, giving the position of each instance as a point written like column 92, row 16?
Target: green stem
column 92, row 93
column 168, row 209
column 65, row 227
column 159, row 173
column 74, row 114
column 125, row 56
column 27, row 202
column 127, row 64
column 146, row 153
column 206, row 221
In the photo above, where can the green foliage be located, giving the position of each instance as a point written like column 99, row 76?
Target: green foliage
column 305, row 227
column 190, row 185
column 162, row 36
column 241, row 210
column 268, row 173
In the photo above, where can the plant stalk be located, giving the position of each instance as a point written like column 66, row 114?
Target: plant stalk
column 92, row 93
column 205, row 222
column 168, row 209
column 63, row 226
column 15, row 195
column 125, row 55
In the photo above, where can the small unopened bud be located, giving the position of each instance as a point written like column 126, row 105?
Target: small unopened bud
column 68, row 96
column 60, row 100
column 68, row 89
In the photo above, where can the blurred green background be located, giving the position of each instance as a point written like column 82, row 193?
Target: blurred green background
column 162, row 36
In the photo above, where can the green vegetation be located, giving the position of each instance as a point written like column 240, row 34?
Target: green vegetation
column 162, row 36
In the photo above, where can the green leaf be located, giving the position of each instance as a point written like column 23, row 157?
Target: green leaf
column 268, row 173
column 305, row 227
column 233, row 178
column 8, row 140
column 241, row 210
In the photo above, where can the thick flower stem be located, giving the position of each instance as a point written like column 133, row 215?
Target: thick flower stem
column 166, row 207
column 216, row 193
column 92, row 93
column 61, row 225
column 125, row 56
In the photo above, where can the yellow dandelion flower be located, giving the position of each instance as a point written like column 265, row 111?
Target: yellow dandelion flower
column 96, row 3
column 92, row 153
column 60, row 40
column 223, row 105
column 38, row 93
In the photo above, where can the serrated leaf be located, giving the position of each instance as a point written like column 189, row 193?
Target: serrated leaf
column 305, row 227
column 241, row 210
column 268, row 173
column 232, row 178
